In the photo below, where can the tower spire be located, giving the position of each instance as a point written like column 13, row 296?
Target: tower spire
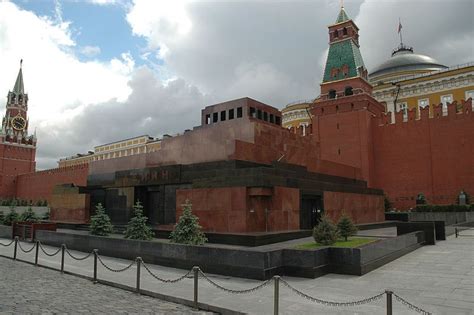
column 19, row 85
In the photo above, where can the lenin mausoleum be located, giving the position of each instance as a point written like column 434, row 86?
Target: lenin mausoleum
column 405, row 128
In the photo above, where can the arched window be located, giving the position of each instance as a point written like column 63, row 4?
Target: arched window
column 336, row 34
column 332, row 94
column 348, row 90
column 344, row 31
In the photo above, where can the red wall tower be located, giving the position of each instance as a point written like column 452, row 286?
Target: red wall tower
column 17, row 148
column 343, row 113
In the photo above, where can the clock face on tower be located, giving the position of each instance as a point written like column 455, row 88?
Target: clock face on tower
column 18, row 123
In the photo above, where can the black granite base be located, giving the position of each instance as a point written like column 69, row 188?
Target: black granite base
column 246, row 263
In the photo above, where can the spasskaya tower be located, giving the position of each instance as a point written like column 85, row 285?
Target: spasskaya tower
column 17, row 147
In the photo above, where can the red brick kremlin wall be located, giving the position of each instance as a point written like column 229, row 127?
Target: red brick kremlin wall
column 14, row 160
column 434, row 156
column 39, row 185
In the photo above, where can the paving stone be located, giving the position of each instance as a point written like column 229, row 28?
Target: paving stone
column 25, row 289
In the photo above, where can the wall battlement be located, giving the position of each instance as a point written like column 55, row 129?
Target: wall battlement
column 452, row 111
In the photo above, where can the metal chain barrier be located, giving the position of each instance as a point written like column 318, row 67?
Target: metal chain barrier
column 411, row 306
column 26, row 251
column 78, row 258
column 115, row 270
column 263, row 284
column 48, row 254
column 6, row 245
column 165, row 280
column 332, row 303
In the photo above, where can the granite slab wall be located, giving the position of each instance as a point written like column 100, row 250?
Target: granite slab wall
column 449, row 218
column 245, row 263
column 5, row 231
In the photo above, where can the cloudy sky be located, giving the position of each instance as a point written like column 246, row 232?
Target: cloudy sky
column 102, row 70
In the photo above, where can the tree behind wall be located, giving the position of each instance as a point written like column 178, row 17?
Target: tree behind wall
column 12, row 216
column 325, row 233
column 346, row 227
column 137, row 229
column 188, row 230
column 29, row 216
column 100, row 222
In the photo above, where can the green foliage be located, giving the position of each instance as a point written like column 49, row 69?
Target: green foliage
column 188, row 230
column 387, row 203
column 325, row 233
column 29, row 216
column 2, row 217
column 100, row 222
column 444, row 208
column 11, row 217
column 46, row 215
column 137, row 229
column 346, row 227
column 420, row 199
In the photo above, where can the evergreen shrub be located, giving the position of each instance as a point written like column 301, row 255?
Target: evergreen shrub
column 325, row 233
column 137, row 228
column 346, row 227
column 188, row 230
column 100, row 222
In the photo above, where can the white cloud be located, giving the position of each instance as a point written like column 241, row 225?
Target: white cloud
column 90, row 51
column 58, row 83
column 208, row 52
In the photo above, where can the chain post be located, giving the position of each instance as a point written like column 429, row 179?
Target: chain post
column 196, row 286
column 37, row 253
column 389, row 301
column 15, row 250
column 276, row 295
column 456, row 232
column 63, row 250
column 95, row 265
column 139, row 265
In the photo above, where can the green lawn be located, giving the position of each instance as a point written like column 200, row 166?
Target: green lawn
column 351, row 242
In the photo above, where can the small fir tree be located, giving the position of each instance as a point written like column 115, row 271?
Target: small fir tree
column 387, row 203
column 188, row 230
column 346, row 227
column 29, row 216
column 100, row 222
column 420, row 199
column 11, row 217
column 137, row 229
column 325, row 233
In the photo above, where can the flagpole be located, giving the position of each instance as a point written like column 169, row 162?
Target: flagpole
column 400, row 31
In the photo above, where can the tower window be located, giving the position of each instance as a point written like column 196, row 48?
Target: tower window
column 215, row 117
column 336, row 35
column 344, row 31
column 265, row 116
column 348, row 90
column 278, row 120
column 231, row 113
column 208, row 119
column 252, row 112
column 332, row 94
column 223, row 115
column 259, row 114
column 239, row 112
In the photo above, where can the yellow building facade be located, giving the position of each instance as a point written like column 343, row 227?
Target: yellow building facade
column 126, row 147
column 296, row 115
column 428, row 89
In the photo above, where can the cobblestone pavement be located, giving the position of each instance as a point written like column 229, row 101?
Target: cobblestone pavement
column 25, row 289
